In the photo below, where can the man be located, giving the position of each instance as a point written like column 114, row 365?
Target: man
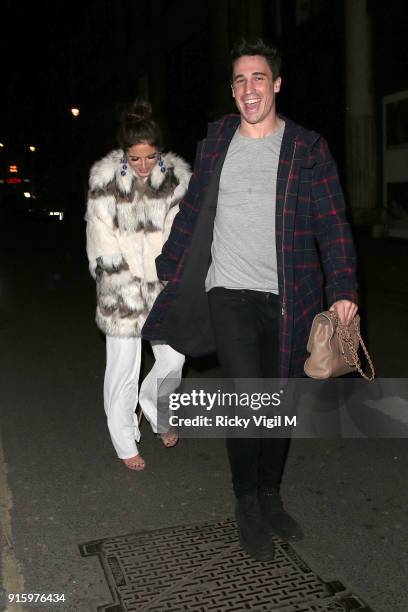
column 261, row 236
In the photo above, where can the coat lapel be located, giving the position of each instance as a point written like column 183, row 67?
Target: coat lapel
column 217, row 142
column 292, row 158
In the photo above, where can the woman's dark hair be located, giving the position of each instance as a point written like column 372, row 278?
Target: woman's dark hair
column 137, row 125
column 258, row 47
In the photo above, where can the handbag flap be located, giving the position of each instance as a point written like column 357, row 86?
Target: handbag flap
column 324, row 321
column 329, row 354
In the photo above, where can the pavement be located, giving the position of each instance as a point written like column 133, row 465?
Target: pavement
column 61, row 485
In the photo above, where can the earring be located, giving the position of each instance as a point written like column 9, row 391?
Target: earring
column 161, row 163
column 124, row 165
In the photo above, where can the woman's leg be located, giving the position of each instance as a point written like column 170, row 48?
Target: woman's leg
column 163, row 379
column 123, row 357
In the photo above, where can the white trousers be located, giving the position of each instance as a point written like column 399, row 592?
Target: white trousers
column 123, row 358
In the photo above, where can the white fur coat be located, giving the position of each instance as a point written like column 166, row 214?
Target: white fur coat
column 128, row 222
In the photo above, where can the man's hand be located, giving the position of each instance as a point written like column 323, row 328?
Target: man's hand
column 345, row 310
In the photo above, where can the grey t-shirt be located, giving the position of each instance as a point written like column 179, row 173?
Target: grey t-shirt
column 244, row 246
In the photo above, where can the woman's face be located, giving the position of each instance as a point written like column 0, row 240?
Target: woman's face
column 142, row 157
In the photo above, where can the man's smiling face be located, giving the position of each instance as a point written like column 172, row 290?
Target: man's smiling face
column 254, row 89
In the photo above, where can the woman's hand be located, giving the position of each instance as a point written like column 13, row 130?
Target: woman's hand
column 112, row 263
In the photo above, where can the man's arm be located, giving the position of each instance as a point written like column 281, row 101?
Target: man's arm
column 333, row 234
column 182, row 228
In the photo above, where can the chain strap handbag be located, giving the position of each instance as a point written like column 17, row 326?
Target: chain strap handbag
column 333, row 348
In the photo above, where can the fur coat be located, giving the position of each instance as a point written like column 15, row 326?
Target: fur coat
column 128, row 222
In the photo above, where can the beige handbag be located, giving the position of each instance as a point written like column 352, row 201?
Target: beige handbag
column 333, row 348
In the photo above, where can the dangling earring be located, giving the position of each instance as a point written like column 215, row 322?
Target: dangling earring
column 124, row 165
column 161, row 163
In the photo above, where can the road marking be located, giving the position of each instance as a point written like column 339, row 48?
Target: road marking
column 11, row 573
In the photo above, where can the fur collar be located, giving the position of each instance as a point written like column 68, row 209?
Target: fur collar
column 106, row 176
column 130, row 205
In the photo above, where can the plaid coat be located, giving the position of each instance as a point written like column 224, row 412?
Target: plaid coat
column 315, row 252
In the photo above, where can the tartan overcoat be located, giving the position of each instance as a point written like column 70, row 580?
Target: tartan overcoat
column 314, row 247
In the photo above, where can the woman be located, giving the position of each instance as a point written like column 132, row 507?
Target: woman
column 133, row 198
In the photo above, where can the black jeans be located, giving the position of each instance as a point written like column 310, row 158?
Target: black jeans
column 246, row 327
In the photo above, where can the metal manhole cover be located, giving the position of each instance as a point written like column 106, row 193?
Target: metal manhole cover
column 204, row 569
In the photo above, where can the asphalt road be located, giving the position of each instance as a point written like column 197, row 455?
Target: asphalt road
column 61, row 485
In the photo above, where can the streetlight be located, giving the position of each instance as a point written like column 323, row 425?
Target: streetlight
column 32, row 148
column 75, row 112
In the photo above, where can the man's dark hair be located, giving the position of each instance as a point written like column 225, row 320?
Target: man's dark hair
column 258, row 47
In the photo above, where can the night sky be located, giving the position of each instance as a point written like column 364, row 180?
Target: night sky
column 50, row 51
column 45, row 51
column 41, row 58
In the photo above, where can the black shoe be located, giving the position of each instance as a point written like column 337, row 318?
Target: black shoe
column 279, row 522
column 253, row 532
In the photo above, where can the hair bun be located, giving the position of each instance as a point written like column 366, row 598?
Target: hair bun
column 139, row 110
column 137, row 125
